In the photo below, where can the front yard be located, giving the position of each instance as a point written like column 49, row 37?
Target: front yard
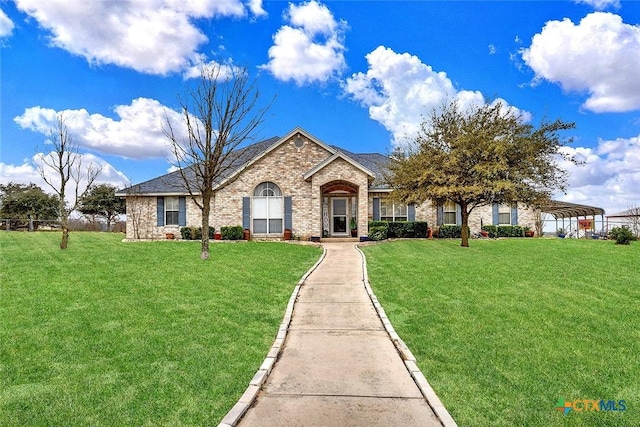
column 110, row 333
column 505, row 328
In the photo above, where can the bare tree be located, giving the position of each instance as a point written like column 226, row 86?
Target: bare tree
column 220, row 113
column 634, row 219
column 540, row 218
column 69, row 175
column 134, row 210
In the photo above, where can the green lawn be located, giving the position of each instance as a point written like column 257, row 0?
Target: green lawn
column 110, row 333
column 505, row 328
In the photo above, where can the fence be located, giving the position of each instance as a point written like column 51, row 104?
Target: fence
column 20, row 224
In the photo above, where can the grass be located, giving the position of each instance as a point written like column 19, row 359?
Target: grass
column 504, row 329
column 109, row 333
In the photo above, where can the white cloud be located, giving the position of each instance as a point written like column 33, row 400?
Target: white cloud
column 27, row 173
column 610, row 177
column 601, row 4
column 599, row 56
column 399, row 90
column 194, row 72
column 6, row 25
column 311, row 48
column 149, row 36
column 255, row 6
column 137, row 134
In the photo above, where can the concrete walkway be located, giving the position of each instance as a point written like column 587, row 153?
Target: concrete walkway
column 338, row 365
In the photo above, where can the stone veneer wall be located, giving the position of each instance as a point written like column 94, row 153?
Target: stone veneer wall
column 427, row 212
column 285, row 167
column 142, row 215
column 339, row 170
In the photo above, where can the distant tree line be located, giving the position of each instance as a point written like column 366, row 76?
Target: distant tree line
column 27, row 205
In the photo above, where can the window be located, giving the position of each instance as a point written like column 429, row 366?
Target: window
column 392, row 211
column 504, row 215
column 268, row 209
column 171, row 208
column 449, row 213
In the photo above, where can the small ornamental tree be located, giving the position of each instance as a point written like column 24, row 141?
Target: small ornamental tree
column 479, row 156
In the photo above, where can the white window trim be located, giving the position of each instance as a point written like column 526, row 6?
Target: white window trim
column 167, row 210
column 504, row 210
column 393, row 211
column 445, row 212
column 269, row 217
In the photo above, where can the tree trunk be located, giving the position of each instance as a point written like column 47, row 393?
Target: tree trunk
column 206, row 208
column 65, row 234
column 465, row 226
column 64, row 223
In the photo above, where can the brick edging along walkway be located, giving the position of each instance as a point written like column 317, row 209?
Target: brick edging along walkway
column 248, row 397
column 409, row 359
column 438, row 412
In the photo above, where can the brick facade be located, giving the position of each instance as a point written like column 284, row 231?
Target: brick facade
column 286, row 166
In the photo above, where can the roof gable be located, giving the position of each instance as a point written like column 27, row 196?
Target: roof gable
column 274, row 146
column 337, row 155
column 372, row 164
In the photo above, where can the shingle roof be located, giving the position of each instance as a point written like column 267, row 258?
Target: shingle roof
column 172, row 183
column 375, row 162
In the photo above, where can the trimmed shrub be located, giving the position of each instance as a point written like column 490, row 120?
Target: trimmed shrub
column 450, row 232
column 185, row 233
column 510, row 231
column 378, row 224
column 401, row 229
column 504, row 230
column 378, row 232
column 491, row 229
column 622, row 235
column 195, row 233
column 233, row 232
column 421, row 229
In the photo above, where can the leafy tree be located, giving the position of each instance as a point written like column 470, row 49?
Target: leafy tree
column 27, row 202
column 100, row 200
column 220, row 113
column 479, row 156
column 62, row 170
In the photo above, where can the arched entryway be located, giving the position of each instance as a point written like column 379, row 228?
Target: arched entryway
column 339, row 208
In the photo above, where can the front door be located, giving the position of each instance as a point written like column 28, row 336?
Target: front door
column 339, row 224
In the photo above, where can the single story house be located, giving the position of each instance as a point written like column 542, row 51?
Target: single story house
column 296, row 182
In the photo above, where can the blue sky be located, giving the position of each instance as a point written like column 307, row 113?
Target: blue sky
column 357, row 74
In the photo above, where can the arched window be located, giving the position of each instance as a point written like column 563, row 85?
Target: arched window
column 267, row 209
column 267, row 189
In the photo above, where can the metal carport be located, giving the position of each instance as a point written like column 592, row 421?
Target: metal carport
column 566, row 211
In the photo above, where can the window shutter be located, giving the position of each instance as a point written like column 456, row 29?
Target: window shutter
column 496, row 215
column 376, row 209
column 182, row 211
column 288, row 214
column 514, row 215
column 440, row 214
column 246, row 213
column 160, row 211
column 411, row 212
column 458, row 215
